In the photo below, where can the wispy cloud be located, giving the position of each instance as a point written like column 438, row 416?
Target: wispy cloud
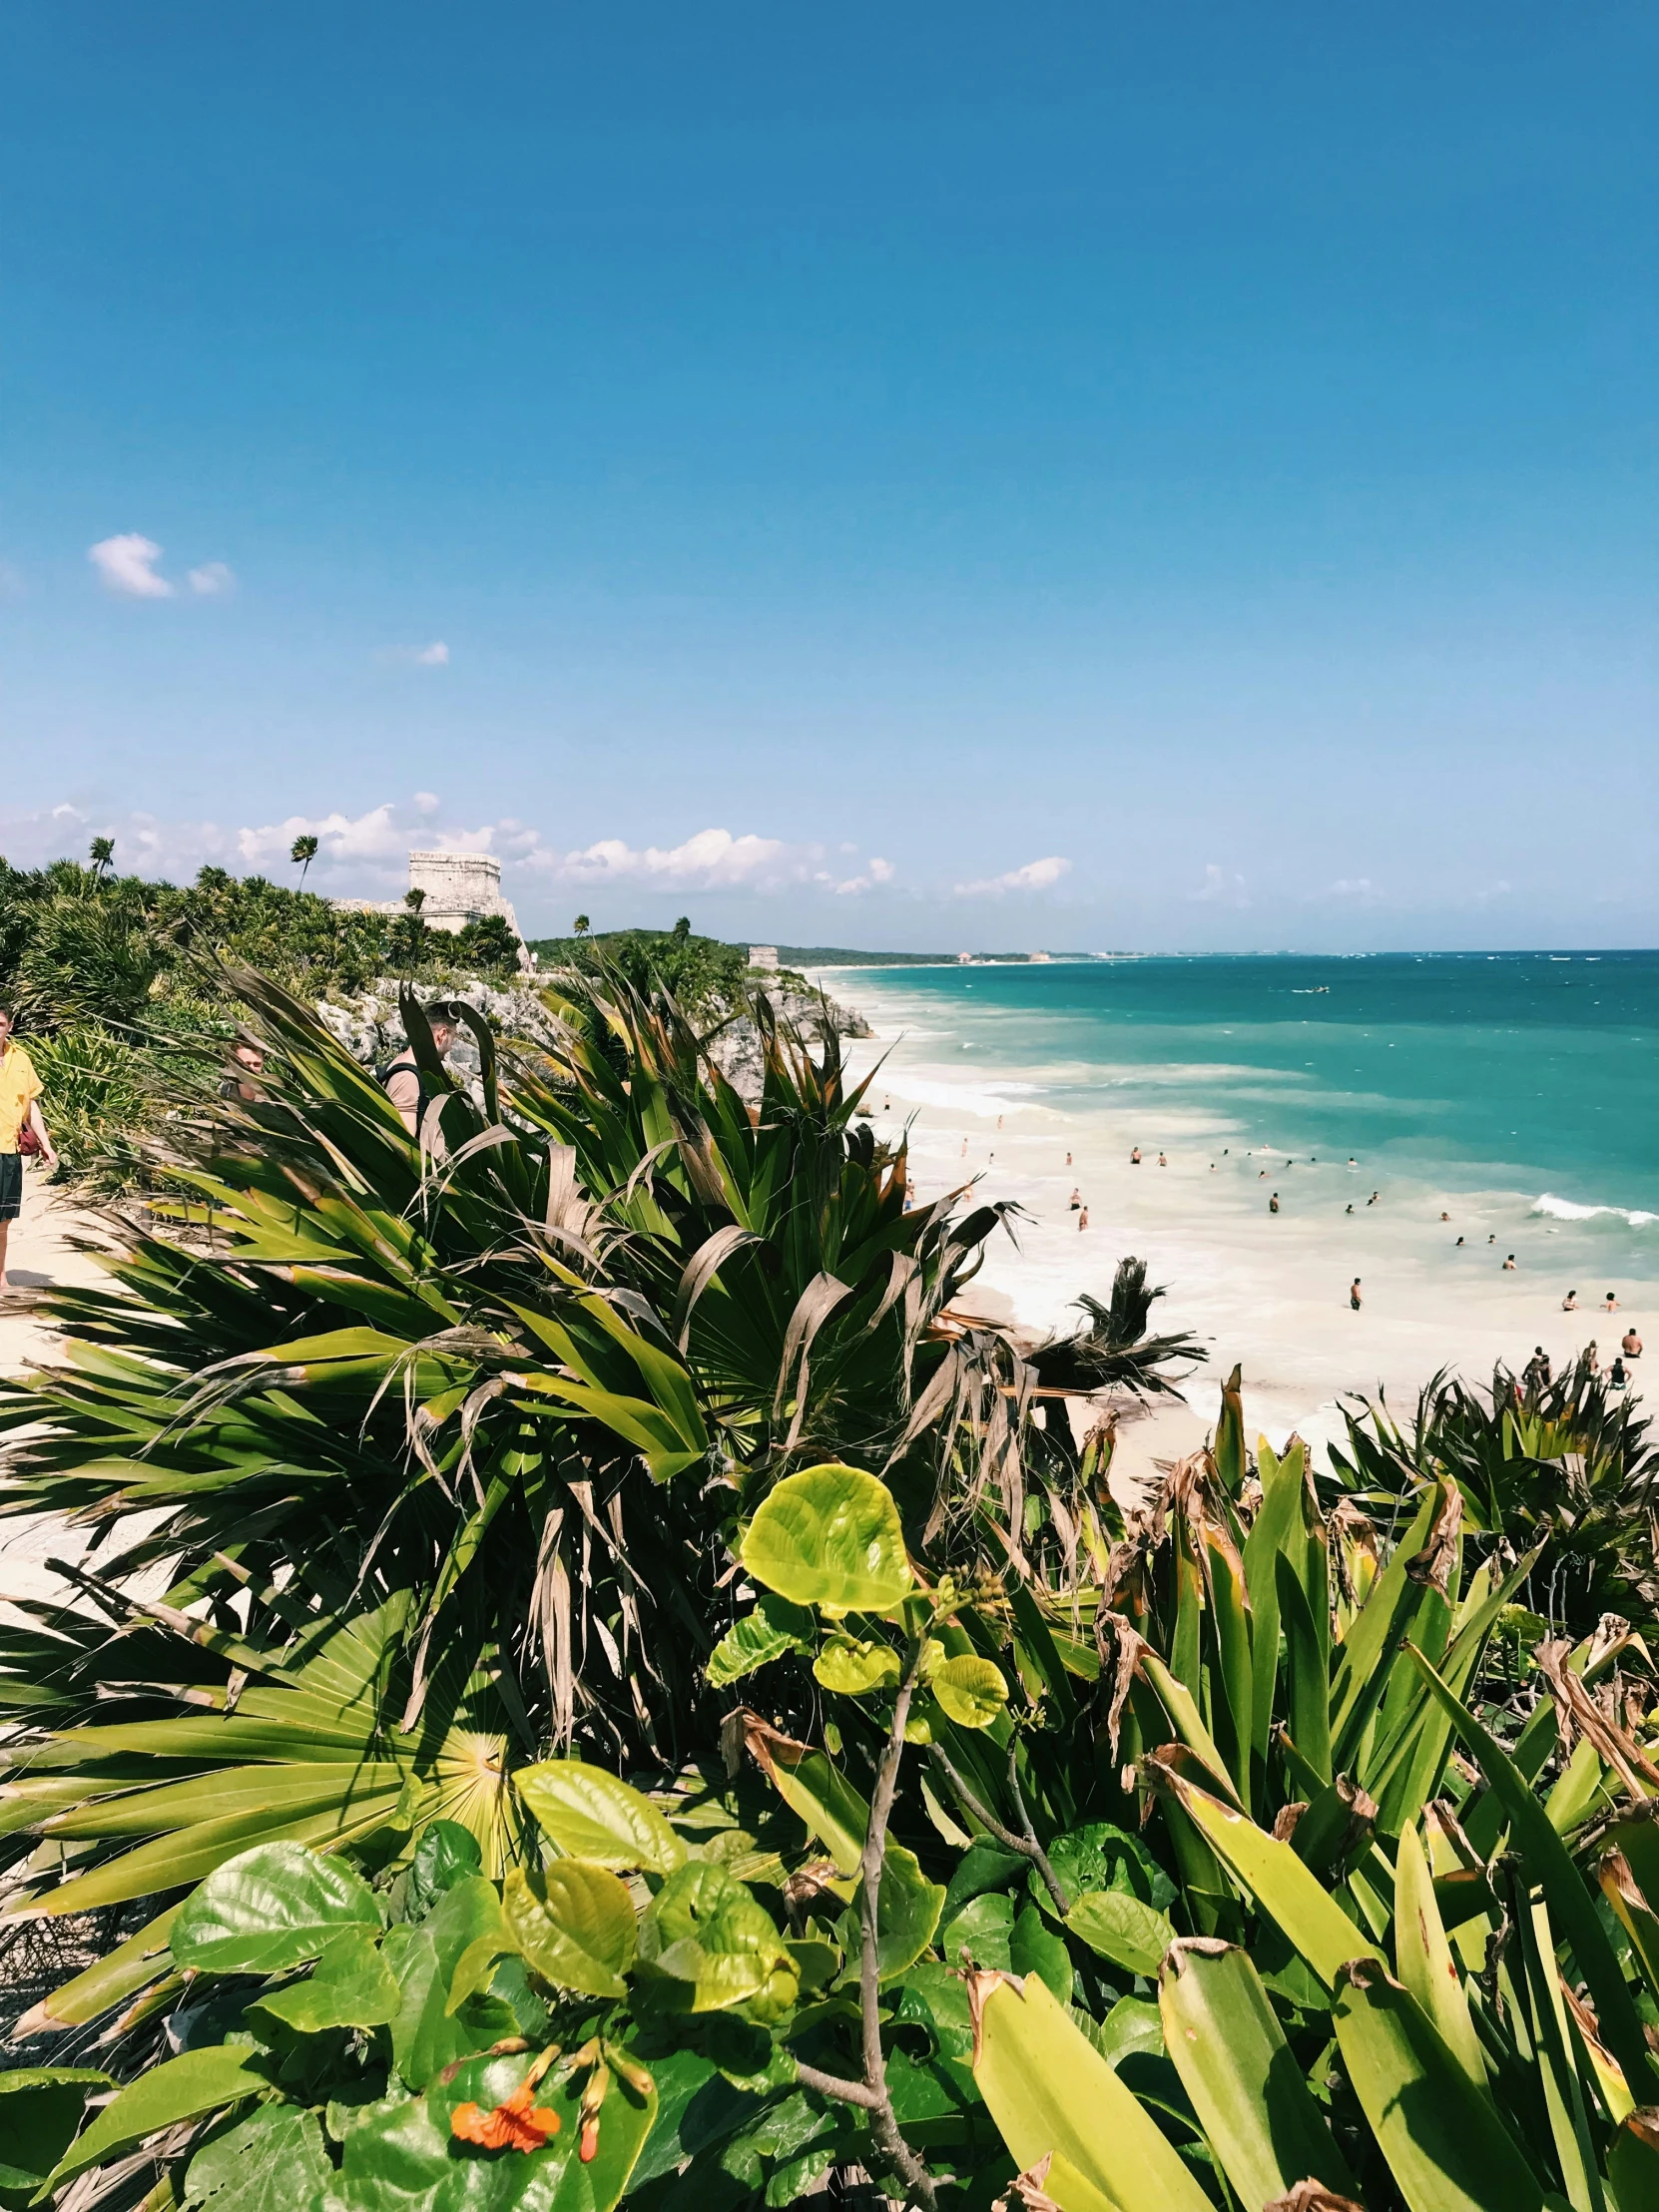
column 877, row 873
column 212, row 580
column 1221, row 887
column 435, row 655
column 127, row 564
column 1035, row 875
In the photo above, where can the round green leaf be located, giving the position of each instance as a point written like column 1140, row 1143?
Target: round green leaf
column 830, row 1536
column 972, row 1689
column 589, row 1814
column 854, row 1668
column 574, row 1923
column 706, row 1943
column 272, row 1907
column 1122, row 1929
column 351, row 1988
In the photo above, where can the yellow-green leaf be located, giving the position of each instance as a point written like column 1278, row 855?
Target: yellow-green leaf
column 574, row 1925
column 1051, row 2092
column 830, row 1536
column 972, row 1691
column 853, row 1668
column 590, row 1814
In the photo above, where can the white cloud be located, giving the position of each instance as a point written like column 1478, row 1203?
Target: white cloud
column 1035, row 875
column 878, row 872
column 127, row 564
column 1221, row 887
column 713, row 859
column 367, row 854
column 212, row 580
column 435, row 655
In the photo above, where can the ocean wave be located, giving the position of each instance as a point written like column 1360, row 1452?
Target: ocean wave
column 1566, row 1209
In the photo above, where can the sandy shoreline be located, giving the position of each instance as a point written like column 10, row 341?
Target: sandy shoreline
column 1270, row 1291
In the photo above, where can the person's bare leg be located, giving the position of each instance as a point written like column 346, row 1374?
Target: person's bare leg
column 5, row 1238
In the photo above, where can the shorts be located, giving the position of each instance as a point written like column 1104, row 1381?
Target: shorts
column 11, row 1185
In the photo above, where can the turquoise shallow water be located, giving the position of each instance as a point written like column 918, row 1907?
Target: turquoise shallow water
column 1525, row 1072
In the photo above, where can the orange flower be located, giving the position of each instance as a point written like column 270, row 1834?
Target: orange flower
column 519, row 2124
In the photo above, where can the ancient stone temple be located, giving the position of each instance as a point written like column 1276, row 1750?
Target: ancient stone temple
column 456, row 887
column 460, row 888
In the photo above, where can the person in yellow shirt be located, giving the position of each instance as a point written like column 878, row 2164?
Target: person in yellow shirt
column 18, row 1110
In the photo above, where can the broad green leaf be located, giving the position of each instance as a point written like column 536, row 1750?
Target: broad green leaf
column 1035, row 1948
column 829, row 1536
column 972, row 1690
column 351, row 1988
column 590, row 1814
column 906, row 1914
column 180, row 2088
column 404, row 2156
column 427, row 2031
column 1569, row 1900
column 574, row 1922
column 1297, row 1904
column 775, row 1626
column 984, row 1929
column 446, row 1853
column 1253, row 2098
column 276, row 1906
column 1050, row 2091
column 1423, row 1961
column 854, row 1668
column 1100, row 1856
column 1444, row 2145
column 705, row 1943
column 1120, row 1928
column 40, row 2109
column 273, row 2161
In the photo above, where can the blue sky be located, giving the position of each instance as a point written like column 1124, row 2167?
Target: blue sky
column 1073, row 476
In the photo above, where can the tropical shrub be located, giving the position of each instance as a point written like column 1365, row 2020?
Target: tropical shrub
column 604, row 1565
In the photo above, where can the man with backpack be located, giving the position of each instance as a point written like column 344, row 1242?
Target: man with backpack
column 402, row 1080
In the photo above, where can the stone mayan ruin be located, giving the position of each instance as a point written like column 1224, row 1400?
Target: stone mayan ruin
column 458, row 888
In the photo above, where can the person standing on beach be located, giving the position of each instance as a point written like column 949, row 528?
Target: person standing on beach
column 1273, row 1203
column 20, row 1123
column 1082, row 1219
column 1354, row 1294
column 1076, row 1199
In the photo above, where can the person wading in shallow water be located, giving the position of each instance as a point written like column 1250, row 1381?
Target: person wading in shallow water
column 1354, row 1294
column 22, row 1132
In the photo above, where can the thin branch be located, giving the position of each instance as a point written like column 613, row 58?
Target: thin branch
column 837, row 2085
column 884, row 2126
column 1026, row 1845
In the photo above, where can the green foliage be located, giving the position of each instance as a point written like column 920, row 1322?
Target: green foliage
column 476, row 1485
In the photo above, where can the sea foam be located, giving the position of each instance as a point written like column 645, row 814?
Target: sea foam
column 1566, row 1209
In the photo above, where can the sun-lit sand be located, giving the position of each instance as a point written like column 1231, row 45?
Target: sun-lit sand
column 1270, row 1291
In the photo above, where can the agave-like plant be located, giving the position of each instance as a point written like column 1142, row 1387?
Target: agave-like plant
column 1567, row 1468
column 490, row 1402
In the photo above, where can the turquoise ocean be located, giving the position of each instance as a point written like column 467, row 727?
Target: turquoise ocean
column 1532, row 1073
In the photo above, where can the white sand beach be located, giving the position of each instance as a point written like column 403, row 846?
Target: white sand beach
column 1270, row 1291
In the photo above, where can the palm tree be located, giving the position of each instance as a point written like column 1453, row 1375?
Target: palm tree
column 103, row 852
column 305, row 851
column 583, row 925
